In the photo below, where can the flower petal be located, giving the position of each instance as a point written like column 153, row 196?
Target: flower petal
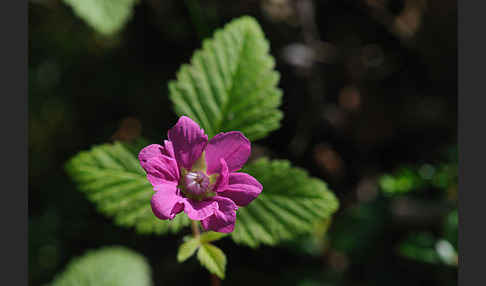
column 232, row 146
column 155, row 150
column 199, row 210
column 188, row 140
column 161, row 169
column 223, row 177
column 166, row 203
column 168, row 149
column 224, row 218
column 242, row 188
column 150, row 151
column 159, row 163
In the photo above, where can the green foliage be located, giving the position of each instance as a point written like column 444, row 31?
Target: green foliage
column 187, row 249
column 403, row 181
column 358, row 227
column 191, row 244
column 108, row 266
column 451, row 228
column 290, row 204
column 213, row 259
column 314, row 244
column 426, row 248
column 112, row 178
column 231, row 83
column 419, row 246
column 408, row 178
column 210, row 236
column 105, row 16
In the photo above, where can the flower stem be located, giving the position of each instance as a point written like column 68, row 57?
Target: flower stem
column 215, row 281
column 195, row 229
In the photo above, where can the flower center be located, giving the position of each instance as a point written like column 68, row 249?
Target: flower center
column 196, row 183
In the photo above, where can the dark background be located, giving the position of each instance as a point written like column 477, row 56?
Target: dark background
column 379, row 92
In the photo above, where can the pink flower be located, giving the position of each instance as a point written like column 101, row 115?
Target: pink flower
column 199, row 177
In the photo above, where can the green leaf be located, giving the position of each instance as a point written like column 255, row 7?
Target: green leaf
column 290, row 204
column 451, row 227
column 411, row 178
column 213, row 259
column 210, row 236
column 105, row 16
column 425, row 247
column 191, row 244
column 187, row 249
column 106, row 267
column 231, row 83
column 314, row 244
column 419, row 246
column 112, row 178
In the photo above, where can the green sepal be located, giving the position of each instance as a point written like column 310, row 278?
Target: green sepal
column 200, row 164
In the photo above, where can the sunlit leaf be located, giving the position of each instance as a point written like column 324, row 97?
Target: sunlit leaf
column 106, row 267
column 210, row 236
column 424, row 247
column 187, row 249
column 290, row 204
column 112, row 178
column 213, row 259
column 231, row 83
column 105, row 16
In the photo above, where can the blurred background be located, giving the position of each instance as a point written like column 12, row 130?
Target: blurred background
column 370, row 106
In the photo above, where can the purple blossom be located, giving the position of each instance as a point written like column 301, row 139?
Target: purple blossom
column 199, row 177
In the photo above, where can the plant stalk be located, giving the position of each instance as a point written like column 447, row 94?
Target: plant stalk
column 215, row 281
column 195, row 229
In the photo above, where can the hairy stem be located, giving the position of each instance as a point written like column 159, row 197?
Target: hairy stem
column 215, row 281
column 195, row 229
